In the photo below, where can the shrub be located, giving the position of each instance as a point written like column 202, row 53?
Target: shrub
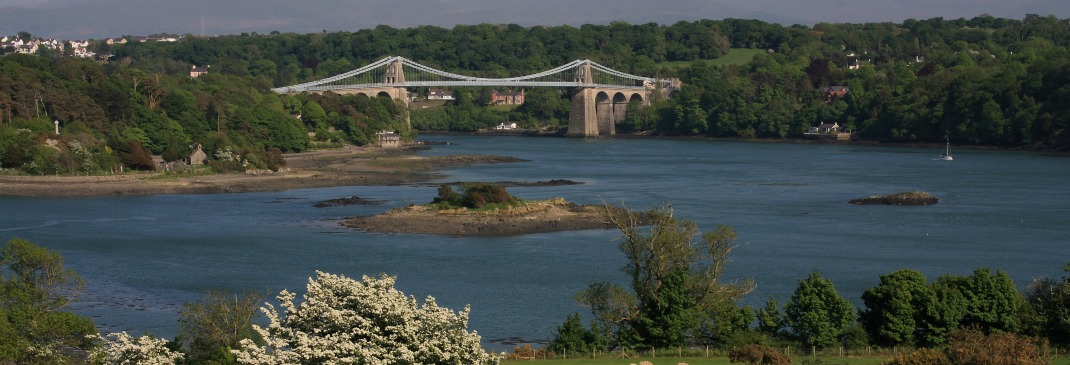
column 526, row 352
column 128, row 350
column 973, row 347
column 478, row 195
column 345, row 321
column 223, row 167
column 920, row 357
column 758, row 355
column 274, row 159
column 447, row 197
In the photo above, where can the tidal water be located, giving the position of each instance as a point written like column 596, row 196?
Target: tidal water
column 142, row 257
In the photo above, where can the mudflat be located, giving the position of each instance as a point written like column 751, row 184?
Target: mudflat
column 347, row 166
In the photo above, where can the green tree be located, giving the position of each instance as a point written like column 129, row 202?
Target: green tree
column 770, row 319
column 217, row 322
column 893, row 308
column 572, row 337
column 942, row 313
column 1051, row 300
column 992, row 301
column 34, row 289
column 816, row 313
column 136, row 156
column 675, row 281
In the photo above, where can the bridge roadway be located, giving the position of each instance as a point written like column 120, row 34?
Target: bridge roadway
column 595, row 110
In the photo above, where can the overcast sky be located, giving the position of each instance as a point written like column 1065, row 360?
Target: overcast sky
column 79, row 19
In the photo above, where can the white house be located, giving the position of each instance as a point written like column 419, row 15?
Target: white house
column 439, row 94
column 26, row 48
column 195, row 72
column 83, row 53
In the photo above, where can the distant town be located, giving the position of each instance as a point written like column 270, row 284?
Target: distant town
column 26, row 44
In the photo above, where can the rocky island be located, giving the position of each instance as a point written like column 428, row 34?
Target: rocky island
column 486, row 210
column 904, row 198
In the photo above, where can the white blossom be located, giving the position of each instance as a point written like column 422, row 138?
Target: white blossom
column 344, row 321
column 126, row 350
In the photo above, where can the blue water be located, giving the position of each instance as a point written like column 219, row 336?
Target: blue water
column 143, row 257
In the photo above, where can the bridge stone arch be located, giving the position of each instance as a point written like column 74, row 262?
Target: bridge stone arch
column 597, row 111
column 396, row 93
column 620, row 108
column 604, row 114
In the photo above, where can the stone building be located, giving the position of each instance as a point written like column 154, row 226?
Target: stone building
column 389, row 139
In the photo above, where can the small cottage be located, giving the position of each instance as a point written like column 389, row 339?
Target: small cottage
column 389, row 139
column 834, row 92
column 826, row 128
column 198, row 157
column 195, row 71
column 829, row 131
column 506, row 97
column 439, row 94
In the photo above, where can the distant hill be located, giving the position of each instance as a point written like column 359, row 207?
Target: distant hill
column 68, row 19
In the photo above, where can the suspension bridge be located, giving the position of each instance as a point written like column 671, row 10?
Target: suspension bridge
column 600, row 95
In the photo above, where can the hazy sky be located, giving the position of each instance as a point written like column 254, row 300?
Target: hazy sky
column 77, row 19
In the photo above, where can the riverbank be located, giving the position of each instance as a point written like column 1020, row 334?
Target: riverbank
column 325, row 168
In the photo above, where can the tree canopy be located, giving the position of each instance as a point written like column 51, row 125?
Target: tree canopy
column 676, row 282
column 34, row 290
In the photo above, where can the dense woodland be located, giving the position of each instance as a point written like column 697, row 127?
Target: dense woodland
column 980, row 81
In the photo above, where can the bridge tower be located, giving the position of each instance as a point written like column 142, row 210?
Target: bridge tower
column 596, row 110
column 395, row 75
column 583, row 113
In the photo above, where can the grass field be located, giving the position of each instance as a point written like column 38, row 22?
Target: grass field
column 698, row 361
column 798, row 360
column 735, row 56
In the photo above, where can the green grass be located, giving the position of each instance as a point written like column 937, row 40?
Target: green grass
column 721, row 360
column 175, row 175
column 735, row 56
column 798, row 360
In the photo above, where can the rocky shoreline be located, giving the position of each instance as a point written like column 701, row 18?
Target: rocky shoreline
column 350, row 166
column 532, row 217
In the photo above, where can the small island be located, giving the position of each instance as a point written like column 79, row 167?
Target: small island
column 484, row 209
column 904, row 198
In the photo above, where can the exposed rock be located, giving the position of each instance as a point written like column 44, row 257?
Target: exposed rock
column 510, row 184
column 904, row 198
column 353, row 200
column 533, row 217
column 453, row 161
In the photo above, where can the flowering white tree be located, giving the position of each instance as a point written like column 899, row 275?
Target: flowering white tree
column 126, row 350
column 344, row 321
